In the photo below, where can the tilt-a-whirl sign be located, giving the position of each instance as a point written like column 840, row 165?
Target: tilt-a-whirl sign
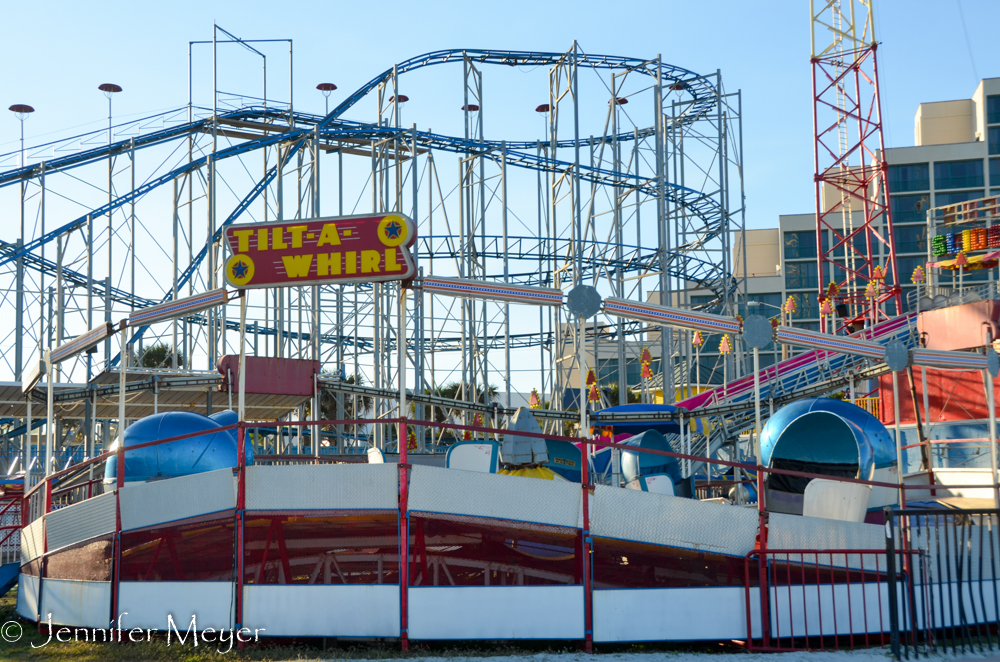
column 344, row 249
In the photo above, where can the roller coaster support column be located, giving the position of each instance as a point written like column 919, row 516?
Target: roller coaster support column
column 122, row 372
column 663, row 237
column 49, row 415
column 756, row 409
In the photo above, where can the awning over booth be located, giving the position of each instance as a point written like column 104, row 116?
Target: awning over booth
column 973, row 263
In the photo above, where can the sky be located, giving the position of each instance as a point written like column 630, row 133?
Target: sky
column 59, row 52
column 931, row 50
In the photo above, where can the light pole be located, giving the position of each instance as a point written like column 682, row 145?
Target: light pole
column 326, row 89
column 398, row 102
column 21, row 112
column 109, row 89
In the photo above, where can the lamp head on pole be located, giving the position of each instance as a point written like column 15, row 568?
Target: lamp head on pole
column 21, row 111
column 326, row 88
column 109, row 89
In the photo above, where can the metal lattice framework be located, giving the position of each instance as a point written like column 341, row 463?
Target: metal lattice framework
column 852, row 202
column 651, row 204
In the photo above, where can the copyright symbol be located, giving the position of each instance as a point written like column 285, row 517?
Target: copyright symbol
column 11, row 631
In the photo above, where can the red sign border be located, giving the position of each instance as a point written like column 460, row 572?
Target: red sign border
column 408, row 274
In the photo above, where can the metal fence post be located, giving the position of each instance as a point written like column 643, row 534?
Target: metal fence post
column 586, row 549
column 404, row 537
column 890, row 555
column 241, row 487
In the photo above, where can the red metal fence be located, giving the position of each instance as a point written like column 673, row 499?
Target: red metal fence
column 808, row 598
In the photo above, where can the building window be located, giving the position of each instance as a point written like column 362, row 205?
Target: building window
column 911, row 239
column 771, row 304
column 995, row 173
column 709, row 370
column 608, row 371
column 942, row 199
column 949, row 278
column 860, row 244
column 993, row 110
column 914, row 177
column 906, row 265
column 909, row 208
column 993, row 136
column 806, row 306
column 802, row 244
column 958, row 174
column 701, row 300
column 889, row 305
column 800, row 275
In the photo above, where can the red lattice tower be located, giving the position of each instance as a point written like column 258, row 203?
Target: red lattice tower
column 851, row 189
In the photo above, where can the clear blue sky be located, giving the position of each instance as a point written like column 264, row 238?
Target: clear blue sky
column 57, row 54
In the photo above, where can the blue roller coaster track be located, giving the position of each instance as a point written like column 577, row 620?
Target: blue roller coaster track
column 296, row 128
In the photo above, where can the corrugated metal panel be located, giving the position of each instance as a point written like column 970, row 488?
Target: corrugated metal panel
column 673, row 521
column 796, row 532
column 270, row 375
column 489, row 495
column 81, row 521
column 32, row 541
column 160, row 501
column 323, row 487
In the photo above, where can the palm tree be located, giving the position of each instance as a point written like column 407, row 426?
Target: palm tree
column 454, row 391
column 158, row 356
column 611, row 395
column 354, row 406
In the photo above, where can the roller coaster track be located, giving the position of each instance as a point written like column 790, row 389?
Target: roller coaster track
column 696, row 203
column 276, row 127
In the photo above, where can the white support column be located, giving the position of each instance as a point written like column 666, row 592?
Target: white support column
column 49, row 416
column 401, row 358
column 991, row 410
column 123, row 369
column 242, row 377
column 756, row 405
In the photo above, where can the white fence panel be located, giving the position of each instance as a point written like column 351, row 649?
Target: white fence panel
column 147, row 604
column 27, row 596
column 323, row 611
column 674, row 614
column 496, row 612
column 75, row 602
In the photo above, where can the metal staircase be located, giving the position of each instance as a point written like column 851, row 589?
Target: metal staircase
column 729, row 409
